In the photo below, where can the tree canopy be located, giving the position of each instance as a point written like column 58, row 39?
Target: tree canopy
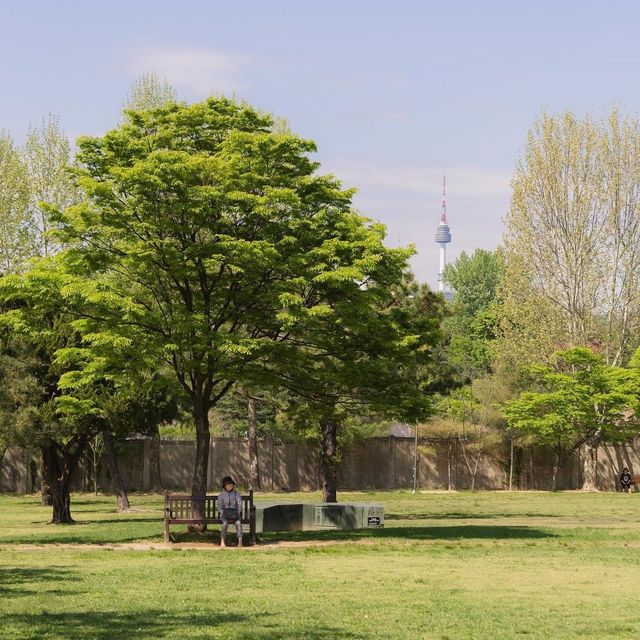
column 203, row 237
column 581, row 400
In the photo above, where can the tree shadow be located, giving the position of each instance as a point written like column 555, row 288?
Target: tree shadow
column 110, row 625
column 14, row 581
column 455, row 532
column 122, row 520
column 315, row 632
column 88, row 532
column 461, row 515
column 90, row 538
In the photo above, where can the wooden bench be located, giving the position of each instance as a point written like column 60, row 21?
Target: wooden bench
column 178, row 509
column 635, row 479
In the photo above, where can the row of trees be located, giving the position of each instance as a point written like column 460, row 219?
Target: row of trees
column 194, row 259
column 542, row 336
column 203, row 252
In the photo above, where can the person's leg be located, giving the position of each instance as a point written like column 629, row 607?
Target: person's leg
column 239, row 531
column 223, row 532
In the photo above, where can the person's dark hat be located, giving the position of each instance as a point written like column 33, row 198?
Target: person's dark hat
column 228, row 480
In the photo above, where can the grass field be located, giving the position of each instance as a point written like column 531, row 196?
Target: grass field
column 446, row 565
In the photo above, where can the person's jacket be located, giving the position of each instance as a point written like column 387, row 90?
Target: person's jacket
column 230, row 500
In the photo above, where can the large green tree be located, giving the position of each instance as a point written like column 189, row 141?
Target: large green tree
column 35, row 325
column 581, row 402
column 205, row 225
column 471, row 326
column 362, row 353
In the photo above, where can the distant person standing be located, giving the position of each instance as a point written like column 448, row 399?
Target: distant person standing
column 230, row 508
column 625, row 480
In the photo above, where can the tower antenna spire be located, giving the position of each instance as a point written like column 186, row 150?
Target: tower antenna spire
column 443, row 238
column 443, row 213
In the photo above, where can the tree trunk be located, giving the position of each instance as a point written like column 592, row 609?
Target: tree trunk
column 590, row 467
column 556, row 470
column 532, row 468
column 511, row 465
column 474, row 475
column 329, row 466
column 117, row 484
column 154, row 461
column 252, row 434
column 201, row 468
column 61, row 501
column 46, row 499
column 59, row 465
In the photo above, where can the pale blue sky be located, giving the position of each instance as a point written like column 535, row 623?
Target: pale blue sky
column 392, row 92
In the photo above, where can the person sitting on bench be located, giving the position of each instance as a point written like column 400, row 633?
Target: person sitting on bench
column 625, row 480
column 230, row 508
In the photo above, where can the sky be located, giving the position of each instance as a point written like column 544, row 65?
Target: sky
column 394, row 93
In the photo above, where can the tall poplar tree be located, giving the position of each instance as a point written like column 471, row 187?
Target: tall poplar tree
column 572, row 239
column 16, row 238
column 150, row 91
column 47, row 156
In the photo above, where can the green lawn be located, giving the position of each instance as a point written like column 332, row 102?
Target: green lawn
column 459, row 565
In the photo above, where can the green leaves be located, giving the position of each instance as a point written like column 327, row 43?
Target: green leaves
column 206, row 235
column 581, row 396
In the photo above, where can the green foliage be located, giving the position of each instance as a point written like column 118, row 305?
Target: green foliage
column 364, row 355
column 472, row 413
column 34, row 326
column 211, row 234
column 571, row 237
column 47, row 156
column 473, row 315
column 16, row 233
column 580, row 398
column 475, row 279
column 230, row 416
column 150, row 92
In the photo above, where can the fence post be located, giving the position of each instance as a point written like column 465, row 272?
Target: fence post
column 146, row 464
column 391, row 479
column 27, row 471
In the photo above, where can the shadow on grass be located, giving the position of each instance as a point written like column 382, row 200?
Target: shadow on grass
column 132, row 529
column 316, row 632
column 461, row 532
column 15, row 581
column 112, row 625
column 125, row 519
column 89, row 532
column 436, row 532
column 455, row 532
column 461, row 515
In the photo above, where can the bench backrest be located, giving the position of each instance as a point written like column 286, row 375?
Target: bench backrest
column 180, row 506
